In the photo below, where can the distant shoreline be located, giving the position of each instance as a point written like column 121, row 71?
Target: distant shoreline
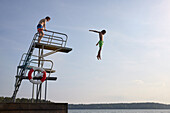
column 146, row 105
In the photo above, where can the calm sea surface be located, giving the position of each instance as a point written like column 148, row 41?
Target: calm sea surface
column 119, row 111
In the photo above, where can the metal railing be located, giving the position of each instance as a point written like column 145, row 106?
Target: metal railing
column 33, row 63
column 52, row 38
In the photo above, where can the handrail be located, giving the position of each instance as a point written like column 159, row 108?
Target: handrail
column 33, row 61
column 56, row 32
column 51, row 39
column 22, row 58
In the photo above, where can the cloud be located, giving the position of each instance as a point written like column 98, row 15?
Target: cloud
column 138, row 82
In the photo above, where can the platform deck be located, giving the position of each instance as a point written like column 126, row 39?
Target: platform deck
column 53, row 47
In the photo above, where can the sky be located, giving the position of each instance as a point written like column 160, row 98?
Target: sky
column 135, row 65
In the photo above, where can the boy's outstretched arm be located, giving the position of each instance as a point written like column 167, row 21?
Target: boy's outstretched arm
column 94, row 31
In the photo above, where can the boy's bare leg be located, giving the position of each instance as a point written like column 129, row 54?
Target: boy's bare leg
column 41, row 34
column 99, row 54
column 98, row 57
column 39, row 39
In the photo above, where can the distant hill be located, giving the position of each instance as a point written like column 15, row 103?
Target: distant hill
column 120, row 106
column 148, row 105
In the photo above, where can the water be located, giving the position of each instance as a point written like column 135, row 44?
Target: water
column 119, row 111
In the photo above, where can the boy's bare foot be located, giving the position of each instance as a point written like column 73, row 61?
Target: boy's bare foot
column 98, row 57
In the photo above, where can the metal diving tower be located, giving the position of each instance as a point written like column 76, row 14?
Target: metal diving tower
column 52, row 42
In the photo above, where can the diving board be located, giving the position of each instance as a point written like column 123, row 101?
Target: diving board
column 53, row 47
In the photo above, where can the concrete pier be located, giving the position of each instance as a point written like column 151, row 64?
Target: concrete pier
column 33, row 108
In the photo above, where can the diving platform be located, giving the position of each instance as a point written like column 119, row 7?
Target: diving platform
column 52, row 42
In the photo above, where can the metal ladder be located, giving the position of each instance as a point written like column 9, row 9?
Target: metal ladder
column 23, row 70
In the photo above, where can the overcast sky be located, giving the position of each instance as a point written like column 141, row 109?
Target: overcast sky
column 135, row 65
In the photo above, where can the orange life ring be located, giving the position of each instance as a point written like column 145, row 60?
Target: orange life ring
column 37, row 81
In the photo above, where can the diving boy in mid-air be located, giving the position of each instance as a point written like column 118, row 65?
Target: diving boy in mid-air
column 42, row 25
column 100, row 42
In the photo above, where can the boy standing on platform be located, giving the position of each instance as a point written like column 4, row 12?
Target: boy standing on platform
column 42, row 26
column 100, row 42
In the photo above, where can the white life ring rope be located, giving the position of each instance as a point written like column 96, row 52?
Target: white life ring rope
column 39, row 74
